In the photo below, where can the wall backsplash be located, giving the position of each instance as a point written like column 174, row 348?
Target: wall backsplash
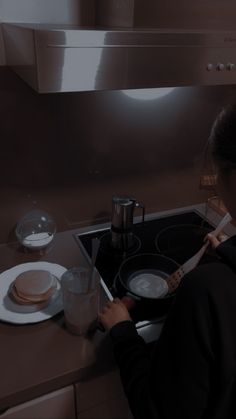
column 208, row 14
column 69, row 153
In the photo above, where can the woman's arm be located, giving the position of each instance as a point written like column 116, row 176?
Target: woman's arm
column 174, row 382
column 133, row 358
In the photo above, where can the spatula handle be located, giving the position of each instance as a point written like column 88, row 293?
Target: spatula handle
column 174, row 279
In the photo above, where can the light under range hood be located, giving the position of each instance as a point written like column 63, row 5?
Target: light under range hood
column 68, row 58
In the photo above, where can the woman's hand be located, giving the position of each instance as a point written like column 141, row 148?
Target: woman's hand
column 113, row 313
column 215, row 241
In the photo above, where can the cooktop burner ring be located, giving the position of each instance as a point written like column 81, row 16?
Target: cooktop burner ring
column 181, row 239
column 106, row 247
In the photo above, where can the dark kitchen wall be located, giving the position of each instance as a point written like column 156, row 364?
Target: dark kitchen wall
column 188, row 14
column 69, row 153
column 208, row 14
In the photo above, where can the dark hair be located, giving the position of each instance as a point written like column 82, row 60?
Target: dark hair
column 222, row 140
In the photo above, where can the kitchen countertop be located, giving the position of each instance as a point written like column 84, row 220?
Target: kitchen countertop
column 39, row 358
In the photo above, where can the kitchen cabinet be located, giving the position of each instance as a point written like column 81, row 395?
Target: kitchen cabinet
column 96, row 398
column 102, row 397
column 56, row 405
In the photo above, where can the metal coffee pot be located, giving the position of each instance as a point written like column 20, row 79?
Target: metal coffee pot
column 122, row 221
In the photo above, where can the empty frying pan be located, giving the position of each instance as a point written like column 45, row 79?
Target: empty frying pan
column 143, row 277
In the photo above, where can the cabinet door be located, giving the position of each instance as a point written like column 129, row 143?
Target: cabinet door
column 56, row 405
column 102, row 397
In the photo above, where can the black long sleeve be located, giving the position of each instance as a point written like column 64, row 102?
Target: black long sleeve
column 134, row 360
column 191, row 373
column 227, row 251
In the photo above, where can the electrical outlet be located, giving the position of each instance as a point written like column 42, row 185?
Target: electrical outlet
column 207, row 181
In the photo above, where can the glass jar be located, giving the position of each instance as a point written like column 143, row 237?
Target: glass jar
column 35, row 230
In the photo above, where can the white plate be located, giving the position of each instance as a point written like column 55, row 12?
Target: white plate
column 14, row 313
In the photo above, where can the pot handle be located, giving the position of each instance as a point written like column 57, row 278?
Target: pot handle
column 129, row 302
column 138, row 205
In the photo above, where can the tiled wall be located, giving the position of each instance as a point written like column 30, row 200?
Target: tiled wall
column 69, row 153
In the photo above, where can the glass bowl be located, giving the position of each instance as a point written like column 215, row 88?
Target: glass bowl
column 35, row 230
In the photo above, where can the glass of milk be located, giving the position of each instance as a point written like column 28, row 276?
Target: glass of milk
column 81, row 295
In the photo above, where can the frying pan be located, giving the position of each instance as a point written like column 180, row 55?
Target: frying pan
column 143, row 278
column 140, row 265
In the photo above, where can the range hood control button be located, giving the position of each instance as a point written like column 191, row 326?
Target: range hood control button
column 210, row 67
column 230, row 66
column 220, row 67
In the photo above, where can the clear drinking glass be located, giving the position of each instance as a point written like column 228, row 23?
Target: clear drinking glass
column 81, row 294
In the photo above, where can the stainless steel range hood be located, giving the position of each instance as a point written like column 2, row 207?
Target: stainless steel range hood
column 69, row 58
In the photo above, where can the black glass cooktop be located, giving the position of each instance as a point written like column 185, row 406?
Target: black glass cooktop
column 177, row 236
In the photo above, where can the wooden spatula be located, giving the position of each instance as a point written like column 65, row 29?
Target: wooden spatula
column 174, row 279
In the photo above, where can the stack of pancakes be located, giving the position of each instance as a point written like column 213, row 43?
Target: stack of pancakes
column 34, row 287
